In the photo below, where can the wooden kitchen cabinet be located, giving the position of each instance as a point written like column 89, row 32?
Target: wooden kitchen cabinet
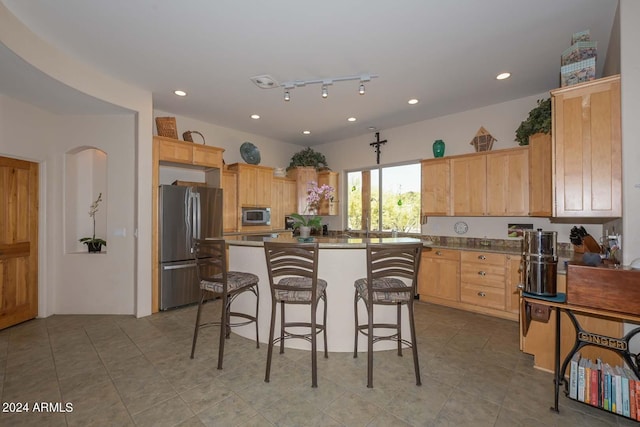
column 283, row 197
column 587, row 146
column 482, row 279
column 329, row 207
column 254, row 185
column 230, row 216
column 540, row 175
column 174, row 151
column 508, row 182
column 469, row 185
column 303, row 176
column 513, row 279
column 439, row 276
column 435, row 187
column 540, row 338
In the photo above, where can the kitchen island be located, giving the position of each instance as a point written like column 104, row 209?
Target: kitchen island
column 341, row 261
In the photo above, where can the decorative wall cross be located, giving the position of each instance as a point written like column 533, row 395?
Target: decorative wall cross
column 377, row 143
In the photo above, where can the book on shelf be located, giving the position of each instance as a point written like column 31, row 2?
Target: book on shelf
column 633, row 379
column 625, row 393
column 573, row 376
column 618, row 377
column 637, row 400
column 581, row 368
column 606, row 387
column 587, row 382
column 595, row 381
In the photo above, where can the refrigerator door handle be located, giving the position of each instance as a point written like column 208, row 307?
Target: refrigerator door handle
column 178, row 267
column 197, row 216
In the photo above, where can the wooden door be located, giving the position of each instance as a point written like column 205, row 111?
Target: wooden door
column 439, row 275
column 540, row 175
column 264, row 178
column 588, row 149
column 329, row 207
column 289, row 197
column 508, row 182
column 247, row 178
column 303, row 176
column 435, row 187
column 18, row 241
column 230, row 204
column 468, row 185
column 513, row 279
column 277, row 204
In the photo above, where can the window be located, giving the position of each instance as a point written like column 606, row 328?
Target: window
column 384, row 199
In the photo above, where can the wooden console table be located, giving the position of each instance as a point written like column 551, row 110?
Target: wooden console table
column 619, row 345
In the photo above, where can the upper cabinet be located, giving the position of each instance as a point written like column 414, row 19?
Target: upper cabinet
column 468, row 185
column 283, row 201
column 303, row 176
column 329, row 207
column 230, row 215
column 587, row 149
column 174, row 151
column 540, row 175
column 435, row 187
column 508, row 182
column 254, row 185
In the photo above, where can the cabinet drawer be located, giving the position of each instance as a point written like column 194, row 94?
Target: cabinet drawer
column 485, row 296
column 449, row 254
column 206, row 156
column 482, row 257
column 486, row 275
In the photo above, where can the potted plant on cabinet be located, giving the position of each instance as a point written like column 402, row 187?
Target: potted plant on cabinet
column 309, row 219
column 308, row 157
column 539, row 121
column 93, row 243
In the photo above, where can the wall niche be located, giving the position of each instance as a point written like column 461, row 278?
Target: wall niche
column 85, row 180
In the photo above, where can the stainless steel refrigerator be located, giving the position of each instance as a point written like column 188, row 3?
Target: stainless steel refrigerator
column 186, row 213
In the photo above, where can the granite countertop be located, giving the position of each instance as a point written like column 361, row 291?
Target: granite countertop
column 328, row 242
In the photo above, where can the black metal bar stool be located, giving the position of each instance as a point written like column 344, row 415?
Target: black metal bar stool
column 387, row 265
column 216, row 281
column 293, row 279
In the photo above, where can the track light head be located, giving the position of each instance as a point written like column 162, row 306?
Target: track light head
column 361, row 90
column 287, row 97
column 325, row 92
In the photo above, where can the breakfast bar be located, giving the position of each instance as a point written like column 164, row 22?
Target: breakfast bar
column 341, row 261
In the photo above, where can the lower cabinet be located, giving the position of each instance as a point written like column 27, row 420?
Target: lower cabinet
column 439, row 275
column 475, row 281
column 482, row 279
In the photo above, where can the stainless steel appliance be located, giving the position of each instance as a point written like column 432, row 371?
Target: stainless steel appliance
column 256, row 216
column 186, row 213
column 540, row 262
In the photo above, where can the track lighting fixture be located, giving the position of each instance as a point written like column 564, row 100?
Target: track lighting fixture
column 325, row 83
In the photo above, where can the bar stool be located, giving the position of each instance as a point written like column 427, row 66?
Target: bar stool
column 293, row 279
column 387, row 265
column 216, row 281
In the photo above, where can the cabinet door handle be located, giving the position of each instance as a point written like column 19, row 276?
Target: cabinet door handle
column 482, row 257
column 482, row 294
column 438, row 253
column 482, row 273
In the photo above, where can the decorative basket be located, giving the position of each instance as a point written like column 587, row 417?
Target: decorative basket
column 166, row 126
column 187, row 136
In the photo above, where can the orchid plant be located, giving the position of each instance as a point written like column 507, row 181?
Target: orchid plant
column 93, row 241
column 315, row 194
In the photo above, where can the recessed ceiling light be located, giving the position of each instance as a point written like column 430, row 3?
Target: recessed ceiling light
column 351, row 119
column 306, row 132
column 413, row 101
column 503, row 76
column 371, row 128
column 255, row 116
column 180, row 92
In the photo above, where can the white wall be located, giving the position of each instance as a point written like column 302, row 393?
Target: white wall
column 77, row 283
column 414, row 142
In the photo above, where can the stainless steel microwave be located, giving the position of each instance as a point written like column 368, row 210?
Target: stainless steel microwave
column 256, row 216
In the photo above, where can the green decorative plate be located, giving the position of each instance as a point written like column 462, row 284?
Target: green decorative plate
column 250, row 153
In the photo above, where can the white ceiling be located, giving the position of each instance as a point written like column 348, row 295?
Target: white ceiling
column 446, row 54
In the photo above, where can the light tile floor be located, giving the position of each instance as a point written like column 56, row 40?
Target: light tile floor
column 119, row 370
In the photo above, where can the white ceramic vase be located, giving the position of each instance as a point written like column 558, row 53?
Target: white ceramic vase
column 305, row 231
